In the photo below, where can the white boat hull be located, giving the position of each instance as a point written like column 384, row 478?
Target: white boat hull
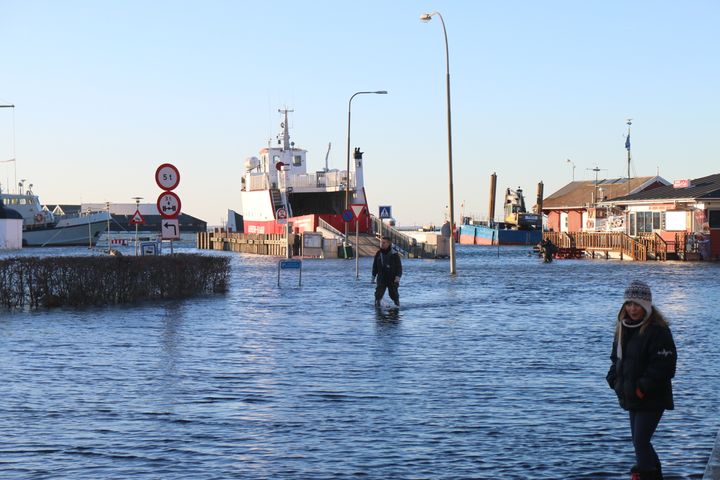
column 83, row 230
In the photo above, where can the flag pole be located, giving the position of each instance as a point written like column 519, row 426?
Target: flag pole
column 627, row 146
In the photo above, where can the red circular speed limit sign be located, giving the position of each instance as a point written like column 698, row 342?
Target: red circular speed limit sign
column 167, row 176
column 168, row 205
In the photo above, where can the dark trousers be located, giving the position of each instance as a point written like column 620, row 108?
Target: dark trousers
column 642, row 427
column 392, row 291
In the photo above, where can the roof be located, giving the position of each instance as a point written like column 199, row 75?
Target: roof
column 703, row 188
column 580, row 194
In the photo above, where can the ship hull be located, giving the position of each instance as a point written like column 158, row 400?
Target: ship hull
column 482, row 235
column 64, row 235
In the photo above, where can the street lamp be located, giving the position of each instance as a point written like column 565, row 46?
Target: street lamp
column 573, row 168
column 347, row 185
column 426, row 17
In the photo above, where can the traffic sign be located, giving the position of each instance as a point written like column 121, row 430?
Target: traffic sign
column 137, row 219
column 281, row 216
column 170, row 229
column 291, row 263
column 385, row 211
column 357, row 209
column 167, row 176
column 347, row 215
column 168, row 205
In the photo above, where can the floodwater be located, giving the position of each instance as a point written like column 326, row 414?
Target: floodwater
column 496, row 373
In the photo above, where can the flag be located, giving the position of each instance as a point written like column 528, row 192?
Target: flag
column 627, row 142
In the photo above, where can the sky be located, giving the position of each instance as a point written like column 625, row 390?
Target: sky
column 104, row 92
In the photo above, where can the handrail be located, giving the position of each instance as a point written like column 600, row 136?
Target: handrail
column 325, row 225
column 402, row 242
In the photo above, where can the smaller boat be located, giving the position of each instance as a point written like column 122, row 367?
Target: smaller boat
column 41, row 228
column 519, row 228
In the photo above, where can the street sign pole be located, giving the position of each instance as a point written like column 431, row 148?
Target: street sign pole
column 357, row 249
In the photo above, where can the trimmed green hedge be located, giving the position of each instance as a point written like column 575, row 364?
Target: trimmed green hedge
column 37, row 282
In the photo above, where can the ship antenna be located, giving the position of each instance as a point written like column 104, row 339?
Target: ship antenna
column 629, row 156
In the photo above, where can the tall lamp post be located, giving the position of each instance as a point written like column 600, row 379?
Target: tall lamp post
column 426, row 18
column 347, row 186
column 137, row 209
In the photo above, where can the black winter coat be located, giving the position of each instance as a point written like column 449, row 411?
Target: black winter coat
column 648, row 363
column 386, row 267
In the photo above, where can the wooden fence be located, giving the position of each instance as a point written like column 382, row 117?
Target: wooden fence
column 260, row 244
column 645, row 247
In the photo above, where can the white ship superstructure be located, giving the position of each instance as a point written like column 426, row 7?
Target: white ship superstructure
column 277, row 183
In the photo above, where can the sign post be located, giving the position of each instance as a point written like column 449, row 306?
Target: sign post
column 385, row 211
column 291, row 264
column 136, row 220
column 357, row 210
column 167, row 177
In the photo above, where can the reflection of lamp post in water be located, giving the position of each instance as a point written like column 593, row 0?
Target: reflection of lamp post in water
column 137, row 209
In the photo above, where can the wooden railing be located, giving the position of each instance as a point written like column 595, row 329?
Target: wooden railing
column 260, row 244
column 600, row 241
column 655, row 245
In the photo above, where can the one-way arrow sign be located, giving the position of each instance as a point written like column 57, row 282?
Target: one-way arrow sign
column 170, row 229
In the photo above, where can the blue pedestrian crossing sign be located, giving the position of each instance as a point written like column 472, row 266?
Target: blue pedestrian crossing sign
column 385, row 211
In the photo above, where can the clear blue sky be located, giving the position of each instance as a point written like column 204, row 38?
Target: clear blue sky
column 106, row 91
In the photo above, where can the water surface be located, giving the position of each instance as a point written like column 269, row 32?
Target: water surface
column 496, row 373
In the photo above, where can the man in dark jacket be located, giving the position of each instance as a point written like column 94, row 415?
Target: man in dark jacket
column 387, row 269
column 643, row 364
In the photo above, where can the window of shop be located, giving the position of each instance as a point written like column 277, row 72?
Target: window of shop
column 646, row 222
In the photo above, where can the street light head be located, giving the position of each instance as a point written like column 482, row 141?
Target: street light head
column 381, row 92
column 426, row 17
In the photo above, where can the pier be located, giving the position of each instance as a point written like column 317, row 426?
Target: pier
column 622, row 246
column 366, row 245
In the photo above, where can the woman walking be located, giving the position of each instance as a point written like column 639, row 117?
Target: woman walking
column 643, row 364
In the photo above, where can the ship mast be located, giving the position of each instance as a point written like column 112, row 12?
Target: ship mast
column 286, row 129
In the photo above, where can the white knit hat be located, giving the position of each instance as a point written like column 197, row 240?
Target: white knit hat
column 639, row 292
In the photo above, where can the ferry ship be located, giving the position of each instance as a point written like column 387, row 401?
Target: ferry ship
column 277, row 188
column 42, row 228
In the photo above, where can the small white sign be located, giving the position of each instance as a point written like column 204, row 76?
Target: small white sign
column 170, row 229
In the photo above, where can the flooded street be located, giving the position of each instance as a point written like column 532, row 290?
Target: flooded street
column 496, row 373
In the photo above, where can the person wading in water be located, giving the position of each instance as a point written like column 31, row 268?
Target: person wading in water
column 387, row 268
column 643, row 363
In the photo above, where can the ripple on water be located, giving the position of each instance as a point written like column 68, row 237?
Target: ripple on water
column 496, row 373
